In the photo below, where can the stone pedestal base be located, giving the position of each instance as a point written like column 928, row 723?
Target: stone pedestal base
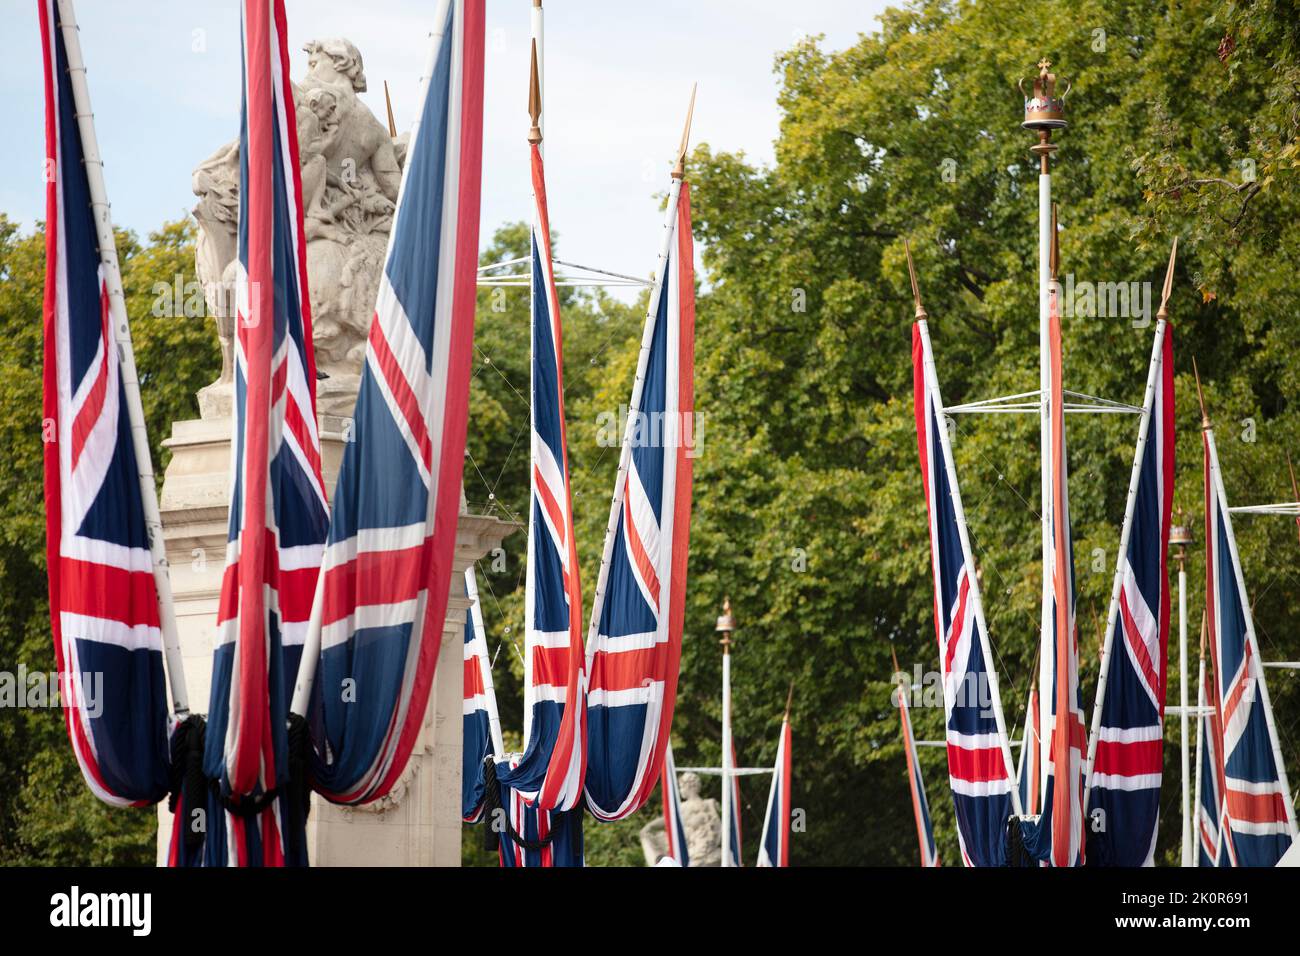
column 418, row 823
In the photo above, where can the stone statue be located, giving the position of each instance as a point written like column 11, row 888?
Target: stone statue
column 351, row 171
column 701, row 821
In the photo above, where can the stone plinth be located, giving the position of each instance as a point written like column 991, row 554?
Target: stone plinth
column 418, row 823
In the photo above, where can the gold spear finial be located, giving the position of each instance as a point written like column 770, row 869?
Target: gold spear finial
column 679, row 170
column 789, row 698
column 534, row 100
column 916, row 291
column 392, row 127
column 1200, row 397
column 1163, row 311
column 1205, row 630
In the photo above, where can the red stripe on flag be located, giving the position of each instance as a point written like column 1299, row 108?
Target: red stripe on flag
column 976, row 764
column 90, row 411
column 109, row 592
column 1255, row 807
column 643, row 562
column 1131, row 759
column 626, row 670
column 401, row 389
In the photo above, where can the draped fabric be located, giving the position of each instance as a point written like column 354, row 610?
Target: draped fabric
column 479, row 710
column 634, row 648
column 549, row 775
column 1126, row 758
column 1060, row 840
column 674, row 829
column 392, row 534
column 1027, row 769
column 278, row 510
column 980, row 771
column 104, row 611
column 774, row 844
column 1209, row 803
column 732, row 795
column 915, row 781
column 1258, row 823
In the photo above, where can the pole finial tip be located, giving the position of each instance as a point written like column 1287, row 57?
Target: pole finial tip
column 534, row 99
column 679, row 168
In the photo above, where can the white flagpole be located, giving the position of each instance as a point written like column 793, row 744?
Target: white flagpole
column 312, row 641
column 727, row 792
column 126, row 356
column 1260, row 682
column 1144, row 430
column 485, row 668
column 1182, row 699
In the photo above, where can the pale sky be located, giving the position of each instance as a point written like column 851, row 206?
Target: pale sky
column 164, row 83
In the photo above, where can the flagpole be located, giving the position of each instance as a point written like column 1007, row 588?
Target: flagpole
column 1249, row 617
column 638, row 384
column 1044, row 112
column 726, row 626
column 126, row 357
column 536, row 26
column 1184, row 538
column 311, row 647
column 1126, row 531
column 959, row 513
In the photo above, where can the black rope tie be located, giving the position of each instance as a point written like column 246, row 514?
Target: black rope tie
column 492, row 803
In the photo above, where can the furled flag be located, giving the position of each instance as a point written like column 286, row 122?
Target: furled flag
column 1061, row 826
column 392, row 535
column 1125, row 757
column 774, row 845
column 732, row 794
column 980, row 769
column 104, row 610
column 1027, row 769
column 920, row 805
column 1209, row 804
column 278, row 511
column 674, row 829
column 549, row 775
column 538, row 837
column 635, row 640
column 482, row 725
column 1258, row 819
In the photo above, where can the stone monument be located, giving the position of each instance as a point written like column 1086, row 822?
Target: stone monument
column 351, row 170
column 700, row 820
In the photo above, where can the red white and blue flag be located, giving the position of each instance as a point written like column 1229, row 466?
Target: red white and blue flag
column 635, row 639
column 674, row 829
column 774, row 845
column 1258, row 823
column 980, row 770
column 1209, row 801
column 278, row 509
column 1126, row 753
column 1028, row 773
column 392, row 536
column 104, row 610
column 481, row 723
column 1062, row 821
column 916, row 783
column 549, row 775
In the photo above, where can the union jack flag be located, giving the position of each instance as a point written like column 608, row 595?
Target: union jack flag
column 482, row 727
column 920, row 805
column 1258, row 822
column 1209, row 803
column 774, row 845
column 635, row 639
column 1126, row 756
column 1028, row 771
column 104, row 611
column 550, row 774
column 979, row 759
column 278, row 509
column 553, row 838
column 674, row 830
column 392, row 536
column 1062, row 821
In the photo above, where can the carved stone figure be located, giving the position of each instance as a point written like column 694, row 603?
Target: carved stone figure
column 351, row 171
column 701, row 821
